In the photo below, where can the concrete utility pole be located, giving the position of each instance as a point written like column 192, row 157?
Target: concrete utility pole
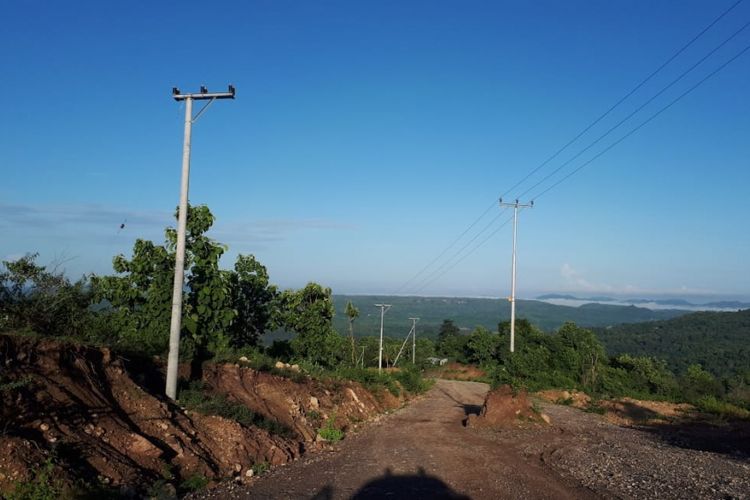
column 383, row 309
column 414, row 340
column 179, row 267
column 413, row 334
column 512, row 298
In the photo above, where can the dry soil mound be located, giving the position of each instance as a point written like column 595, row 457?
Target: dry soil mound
column 504, row 407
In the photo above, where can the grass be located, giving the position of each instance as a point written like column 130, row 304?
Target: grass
column 722, row 409
column 43, row 486
column 196, row 396
column 331, row 433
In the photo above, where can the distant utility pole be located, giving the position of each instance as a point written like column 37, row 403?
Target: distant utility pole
column 414, row 340
column 512, row 298
column 413, row 333
column 179, row 267
column 383, row 309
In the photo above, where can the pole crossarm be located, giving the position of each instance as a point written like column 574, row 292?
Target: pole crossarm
column 204, row 94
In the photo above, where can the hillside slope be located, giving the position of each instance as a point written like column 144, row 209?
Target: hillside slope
column 719, row 341
column 468, row 313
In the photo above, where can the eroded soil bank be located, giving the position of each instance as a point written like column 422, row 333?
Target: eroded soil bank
column 89, row 416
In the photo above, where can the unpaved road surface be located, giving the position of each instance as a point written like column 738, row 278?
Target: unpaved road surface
column 424, row 451
column 421, row 451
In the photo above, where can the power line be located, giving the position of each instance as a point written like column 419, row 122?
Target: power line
column 598, row 155
column 474, row 249
column 624, row 98
column 446, row 249
column 642, row 124
column 570, row 142
column 437, row 270
column 638, row 109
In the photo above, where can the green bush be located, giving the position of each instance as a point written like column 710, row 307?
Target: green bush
column 329, row 432
column 42, row 487
column 709, row 404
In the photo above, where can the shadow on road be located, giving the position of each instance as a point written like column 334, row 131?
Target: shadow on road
column 469, row 409
column 399, row 486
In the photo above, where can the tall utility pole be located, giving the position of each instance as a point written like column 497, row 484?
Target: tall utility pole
column 413, row 333
column 179, row 266
column 414, row 340
column 383, row 309
column 512, row 298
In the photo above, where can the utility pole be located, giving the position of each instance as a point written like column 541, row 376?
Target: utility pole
column 179, row 267
column 383, row 309
column 414, row 340
column 512, row 298
column 412, row 331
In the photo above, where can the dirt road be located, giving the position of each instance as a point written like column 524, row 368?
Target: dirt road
column 421, row 451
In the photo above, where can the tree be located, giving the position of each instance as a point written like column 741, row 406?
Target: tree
column 309, row 313
column 482, row 345
column 43, row 301
column 140, row 295
column 451, row 343
column 254, row 298
column 352, row 313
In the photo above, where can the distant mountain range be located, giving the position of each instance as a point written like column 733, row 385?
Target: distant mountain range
column 675, row 303
column 468, row 313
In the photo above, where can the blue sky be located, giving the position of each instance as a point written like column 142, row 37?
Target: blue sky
column 366, row 136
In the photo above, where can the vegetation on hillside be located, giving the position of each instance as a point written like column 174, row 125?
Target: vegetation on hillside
column 574, row 358
column 718, row 341
column 467, row 313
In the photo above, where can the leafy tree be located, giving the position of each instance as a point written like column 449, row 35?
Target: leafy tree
column 309, row 313
column 482, row 345
column 140, row 295
column 254, row 299
column 448, row 329
column 697, row 382
column 352, row 313
column 43, row 301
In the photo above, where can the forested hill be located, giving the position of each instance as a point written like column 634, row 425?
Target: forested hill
column 719, row 341
column 468, row 313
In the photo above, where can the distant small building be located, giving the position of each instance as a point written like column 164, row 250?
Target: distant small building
column 438, row 361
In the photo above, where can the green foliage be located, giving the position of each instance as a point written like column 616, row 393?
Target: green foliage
column 329, row 432
column 642, row 377
column 697, row 383
column 718, row 341
column 254, row 299
column 411, row 380
column 42, row 487
column 482, row 346
column 220, row 308
column 570, row 358
column 451, row 343
column 194, row 483
column 196, row 396
column 722, row 409
column 43, row 301
column 466, row 313
column 261, row 468
column 309, row 313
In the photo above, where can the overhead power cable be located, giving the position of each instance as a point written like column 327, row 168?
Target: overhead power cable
column 461, row 259
column 445, row 250
column 572, row 141
column 642, row 124
column 636, row 110
column 624, row 98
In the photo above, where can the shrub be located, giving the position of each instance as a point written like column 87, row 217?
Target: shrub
column 329, row 432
